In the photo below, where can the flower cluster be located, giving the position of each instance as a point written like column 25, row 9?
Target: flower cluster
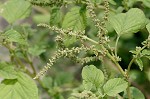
column 101, row 25
column 71, row 53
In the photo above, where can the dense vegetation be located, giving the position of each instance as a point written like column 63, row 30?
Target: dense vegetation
column 75, row 49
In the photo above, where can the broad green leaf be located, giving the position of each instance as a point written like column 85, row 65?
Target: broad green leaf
column 135, row 93
column 36, row 50
column 75, row 20
column 7, row 71
column 13, row 10
column 14, row 36
column 93, row 75
column 56, row 16
column 128, row 22
column 148, row 27
column 115, row 86
column 139, row 63
column 21, row 88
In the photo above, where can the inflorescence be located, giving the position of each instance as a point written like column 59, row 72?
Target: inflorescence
column 72, row 53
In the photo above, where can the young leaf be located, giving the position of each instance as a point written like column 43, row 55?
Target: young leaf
column 93, row 75
column 14, row 36
column 7, row 71
column 21, row 88
column 148, row 27
column 135, row 93
column 13, row 10
column 140, row 63
column 114, row 86
column 128, row 22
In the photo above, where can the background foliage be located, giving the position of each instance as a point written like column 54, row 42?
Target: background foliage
column 25, row 49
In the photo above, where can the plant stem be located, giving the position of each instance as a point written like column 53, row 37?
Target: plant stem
column 116, row 45
column 31, row 64
column 134, row 58
column 129, row 66
column 128, row 90
column 108, row 54
column 95, row 42
column 91, row 40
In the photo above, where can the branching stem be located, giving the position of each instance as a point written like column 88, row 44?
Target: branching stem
column 129, row 66
column 108, row 54
column 134, row 58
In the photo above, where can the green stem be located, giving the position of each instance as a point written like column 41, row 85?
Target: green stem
column 129, row 66
column 31, row 64
column 95, row 42
column 108, row 54
column 134, row 58
column 128, row 91
column 91, row 40
column 116, row 45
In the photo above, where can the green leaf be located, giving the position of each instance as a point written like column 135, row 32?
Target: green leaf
column 14, row 36
column 56, row 16
column 87, row 85
column 146, row 3
column 128, row 22
column 135, row 93
column 13, row 10
column 146, row 52
column 140, row 63
column 112, row 2
column 21, row 88
column 114, row 86
column 93, row 75
column 148, row 27
column 36, row 50
column 75, row 20
column 7, row 71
